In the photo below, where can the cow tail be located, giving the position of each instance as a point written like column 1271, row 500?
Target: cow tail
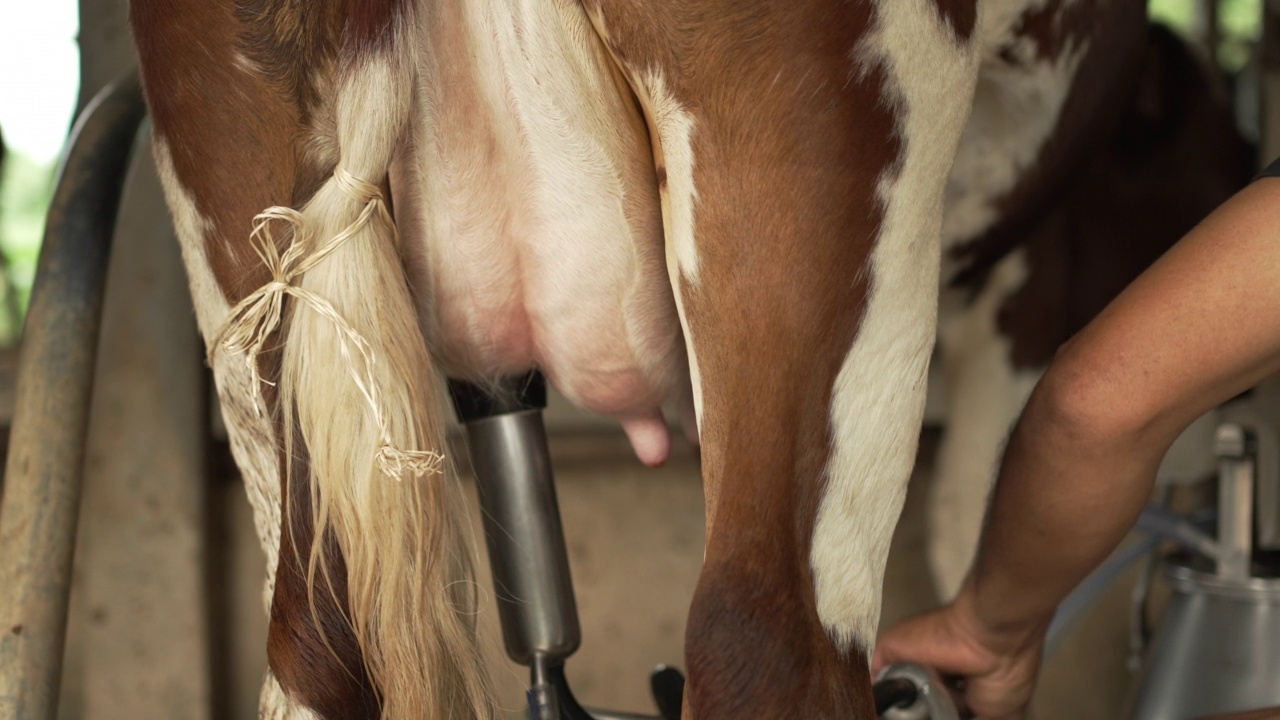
column 369, row 407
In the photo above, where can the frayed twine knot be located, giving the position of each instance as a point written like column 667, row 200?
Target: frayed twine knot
column 394, row 462
column 256, row 317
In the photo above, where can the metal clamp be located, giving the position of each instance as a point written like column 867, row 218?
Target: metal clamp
column 908, row 692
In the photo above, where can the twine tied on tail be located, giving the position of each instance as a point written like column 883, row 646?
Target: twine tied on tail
column 258, row 315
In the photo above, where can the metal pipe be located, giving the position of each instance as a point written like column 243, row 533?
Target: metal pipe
column 55, row 377
column 543, row 696
column 524, row 537
column 1234, row 448
column 1185, row 531
column 527, row 553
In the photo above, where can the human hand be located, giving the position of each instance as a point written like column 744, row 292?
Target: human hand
column 998, row 669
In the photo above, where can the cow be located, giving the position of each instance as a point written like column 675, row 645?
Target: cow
column 734, row 207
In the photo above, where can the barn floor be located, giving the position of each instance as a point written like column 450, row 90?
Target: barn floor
column 635, row 540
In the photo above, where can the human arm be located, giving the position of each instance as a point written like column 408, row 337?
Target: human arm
column 1198, row 327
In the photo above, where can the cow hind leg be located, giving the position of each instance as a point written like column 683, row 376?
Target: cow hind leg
column 802, row 198
column 372, row 606
column 930, row 53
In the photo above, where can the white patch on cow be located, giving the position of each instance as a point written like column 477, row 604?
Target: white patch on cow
column 675, row 129
column 1016, row 107
column 878, row 398
column 985, row 394
column 1001, row 19
column 695, row 376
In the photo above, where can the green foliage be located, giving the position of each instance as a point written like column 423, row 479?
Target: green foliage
column 1176, row 13
column 1239, row 21
column 26, row 188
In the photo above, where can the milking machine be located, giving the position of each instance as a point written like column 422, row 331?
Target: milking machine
column 530, row 565
column 531, row 580
column 1218, row 646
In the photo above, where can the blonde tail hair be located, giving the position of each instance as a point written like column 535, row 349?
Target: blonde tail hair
column 369, row 408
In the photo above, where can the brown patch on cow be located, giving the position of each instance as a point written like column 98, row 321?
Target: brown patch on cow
column 1175, row 156
column 1034, row 318
column 961, row 15
column 1114, row 32
column 789, row 146
column 285, row 40
column 660, row 174
column 232, row 133
column 312, row 651
column 372, row 24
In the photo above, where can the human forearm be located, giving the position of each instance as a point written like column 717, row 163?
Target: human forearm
column 1066, row 496
column 1200, row 326
column 1197, row 328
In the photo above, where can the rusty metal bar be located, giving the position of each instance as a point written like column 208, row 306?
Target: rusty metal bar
column 55, row 376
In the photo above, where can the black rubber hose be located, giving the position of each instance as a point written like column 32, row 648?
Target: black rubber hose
column 894, row 692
